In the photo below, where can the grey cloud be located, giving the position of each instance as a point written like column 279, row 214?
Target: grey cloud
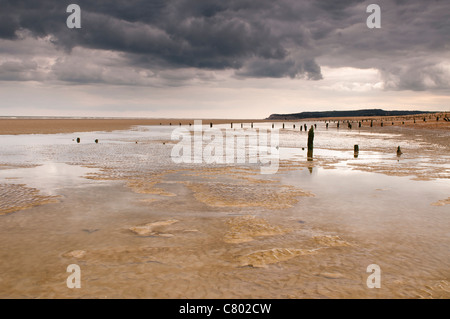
column 176, row 34
column 284, row 38
column 8, row 26
column 285, row 68
column 409, row 50
column 20, row 71
column 418, row 76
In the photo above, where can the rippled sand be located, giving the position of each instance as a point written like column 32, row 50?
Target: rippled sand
column 153, row 228
column 17, row 197
column 246, row 228
column 226, row 195
column 262, row 258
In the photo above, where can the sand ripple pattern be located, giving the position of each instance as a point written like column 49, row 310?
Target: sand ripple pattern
column 152, row 229
column 245, row 228
column 15, row 197
column 263, row 258
column 247, row 195
column 330, row 241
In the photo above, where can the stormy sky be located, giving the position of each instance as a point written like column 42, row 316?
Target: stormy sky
column 218, row 58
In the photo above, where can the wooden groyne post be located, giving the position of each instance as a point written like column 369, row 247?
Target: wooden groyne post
column 310, row 143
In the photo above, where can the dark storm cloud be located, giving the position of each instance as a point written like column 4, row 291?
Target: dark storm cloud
column 265, row 38
column 281, row 68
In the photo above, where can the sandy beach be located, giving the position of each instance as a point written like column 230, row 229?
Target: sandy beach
column 52, row 126
column 140, row 225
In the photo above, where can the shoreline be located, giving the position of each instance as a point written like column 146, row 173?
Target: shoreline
column 9, row 126
column 54, row 126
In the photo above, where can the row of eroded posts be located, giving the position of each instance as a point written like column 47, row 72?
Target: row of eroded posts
column 310, row 142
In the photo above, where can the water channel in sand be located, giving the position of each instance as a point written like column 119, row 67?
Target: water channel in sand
column 141, row 226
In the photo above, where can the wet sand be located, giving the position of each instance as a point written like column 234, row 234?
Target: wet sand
column 52, row 126
column 140, row 226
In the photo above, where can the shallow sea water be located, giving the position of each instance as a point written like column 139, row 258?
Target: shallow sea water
column 141, row 226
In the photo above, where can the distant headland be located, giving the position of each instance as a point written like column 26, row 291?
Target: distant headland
column 354, row 113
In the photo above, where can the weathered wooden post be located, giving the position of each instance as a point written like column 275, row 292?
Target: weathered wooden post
column 355, row 151
column 310, row 143
column 293, row 126
column 242, row 125
column 231, row 124
column 283, row 125
column 78, row 140
column 399, row 151
column 315, row 125
column 210, row 124
column 96, row 141
column 338, row 124
column 327, row 125
column 359, row 124
column 306, row 128
column 273, row 125
column 349, row 125
column 252, row 124
column 301, row 128
column 371, row 123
